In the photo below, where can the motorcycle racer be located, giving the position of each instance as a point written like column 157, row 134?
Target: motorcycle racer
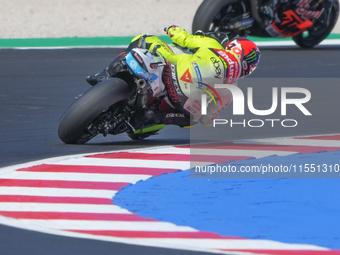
column 187, row 76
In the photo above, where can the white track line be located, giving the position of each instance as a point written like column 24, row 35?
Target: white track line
column 163, row 164
column 300, row 142
column 60, row 207
column 221, row 152
column 111, row 225
column 57, row 192
column 245, row 153
column 84, row 177
column 241, row 244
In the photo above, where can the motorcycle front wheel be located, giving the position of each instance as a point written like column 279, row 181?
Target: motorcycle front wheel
column 106, row 98
column 214, row 15
column 319, row 31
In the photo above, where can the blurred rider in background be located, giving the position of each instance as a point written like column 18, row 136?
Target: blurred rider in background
column 212, row 60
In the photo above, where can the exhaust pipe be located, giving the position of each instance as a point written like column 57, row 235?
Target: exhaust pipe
column 141, row 83
column 143, row 95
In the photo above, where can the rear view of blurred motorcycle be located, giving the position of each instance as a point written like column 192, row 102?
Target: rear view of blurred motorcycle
column 308, row 22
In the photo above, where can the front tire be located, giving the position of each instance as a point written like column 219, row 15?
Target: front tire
column 73, row 126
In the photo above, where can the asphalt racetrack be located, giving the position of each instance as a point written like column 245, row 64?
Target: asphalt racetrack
column 38, row 85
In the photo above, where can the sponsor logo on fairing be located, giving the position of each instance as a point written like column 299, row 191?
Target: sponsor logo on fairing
column 174, row 80
column 168, row 81
column 139, row 59
column 272, row 31
column 186, row 77
column 175, row 115
column 133, row 64
column 305, row 12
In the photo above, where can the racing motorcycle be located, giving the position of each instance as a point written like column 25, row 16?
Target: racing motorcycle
column 308, row 22
column 110, row 106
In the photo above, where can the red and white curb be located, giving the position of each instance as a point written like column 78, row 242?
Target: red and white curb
column 72, row 195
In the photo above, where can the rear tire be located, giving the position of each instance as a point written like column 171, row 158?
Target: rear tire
column 73, row 126
column 212, row 15
column 311, row 37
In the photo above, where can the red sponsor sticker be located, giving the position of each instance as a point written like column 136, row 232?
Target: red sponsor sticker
column 136, row 55
column 233, row 65
column 169, row 84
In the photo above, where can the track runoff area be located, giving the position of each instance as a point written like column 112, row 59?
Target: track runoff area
column 94, row 195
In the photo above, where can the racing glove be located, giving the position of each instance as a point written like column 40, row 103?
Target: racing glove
column 166, row 29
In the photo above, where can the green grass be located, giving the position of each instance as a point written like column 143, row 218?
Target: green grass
column 101, row 41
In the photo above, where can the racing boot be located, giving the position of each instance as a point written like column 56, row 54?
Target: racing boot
column 144, row 123
column 108, row 72
column 176, row 118
column 145, row 117
column 156, row 117
column 98, row 77
column 149, row 122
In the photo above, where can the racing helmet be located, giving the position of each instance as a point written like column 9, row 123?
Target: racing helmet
column 247, row 52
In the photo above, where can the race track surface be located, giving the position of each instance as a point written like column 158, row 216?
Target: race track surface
column 38, row 85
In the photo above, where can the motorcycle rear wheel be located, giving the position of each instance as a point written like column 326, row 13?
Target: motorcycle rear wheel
column 111, row 94
column 317, row 33
column 213, row 15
